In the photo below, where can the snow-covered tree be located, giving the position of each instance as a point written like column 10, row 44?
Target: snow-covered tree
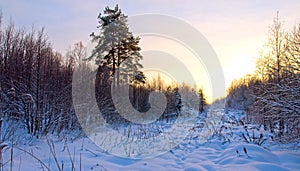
column 277, row 96
column 271, row 96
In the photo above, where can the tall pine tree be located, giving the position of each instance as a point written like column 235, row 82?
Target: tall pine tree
column 117, row 49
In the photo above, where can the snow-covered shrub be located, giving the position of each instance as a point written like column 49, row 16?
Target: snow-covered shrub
column 254, row 134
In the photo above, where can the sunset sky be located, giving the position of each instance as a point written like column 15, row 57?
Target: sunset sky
column 236, row 29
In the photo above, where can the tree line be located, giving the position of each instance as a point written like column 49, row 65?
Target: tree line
column 36, row 81
column 271, row 96
column 118, row 57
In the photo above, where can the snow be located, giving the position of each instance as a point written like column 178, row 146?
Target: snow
column 192, row 154
column 210, row 156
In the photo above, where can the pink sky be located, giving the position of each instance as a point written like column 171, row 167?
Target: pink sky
column 237, row 30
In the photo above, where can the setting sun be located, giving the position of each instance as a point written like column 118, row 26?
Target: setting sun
column 149, row 85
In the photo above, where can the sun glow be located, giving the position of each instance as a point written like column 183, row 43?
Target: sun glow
column 174, row 62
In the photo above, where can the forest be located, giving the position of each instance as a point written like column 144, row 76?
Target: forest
column 271, row 96
column 36, row 81
column 39, row 111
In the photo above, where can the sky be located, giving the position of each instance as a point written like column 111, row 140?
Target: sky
column 236, row 29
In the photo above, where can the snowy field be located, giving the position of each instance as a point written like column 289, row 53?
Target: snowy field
column 225, row 150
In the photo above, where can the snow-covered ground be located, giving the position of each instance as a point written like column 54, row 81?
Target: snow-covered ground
column 226, row 150
column 208, row 156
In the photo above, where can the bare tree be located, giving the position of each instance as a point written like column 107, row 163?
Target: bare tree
column 275, row 88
